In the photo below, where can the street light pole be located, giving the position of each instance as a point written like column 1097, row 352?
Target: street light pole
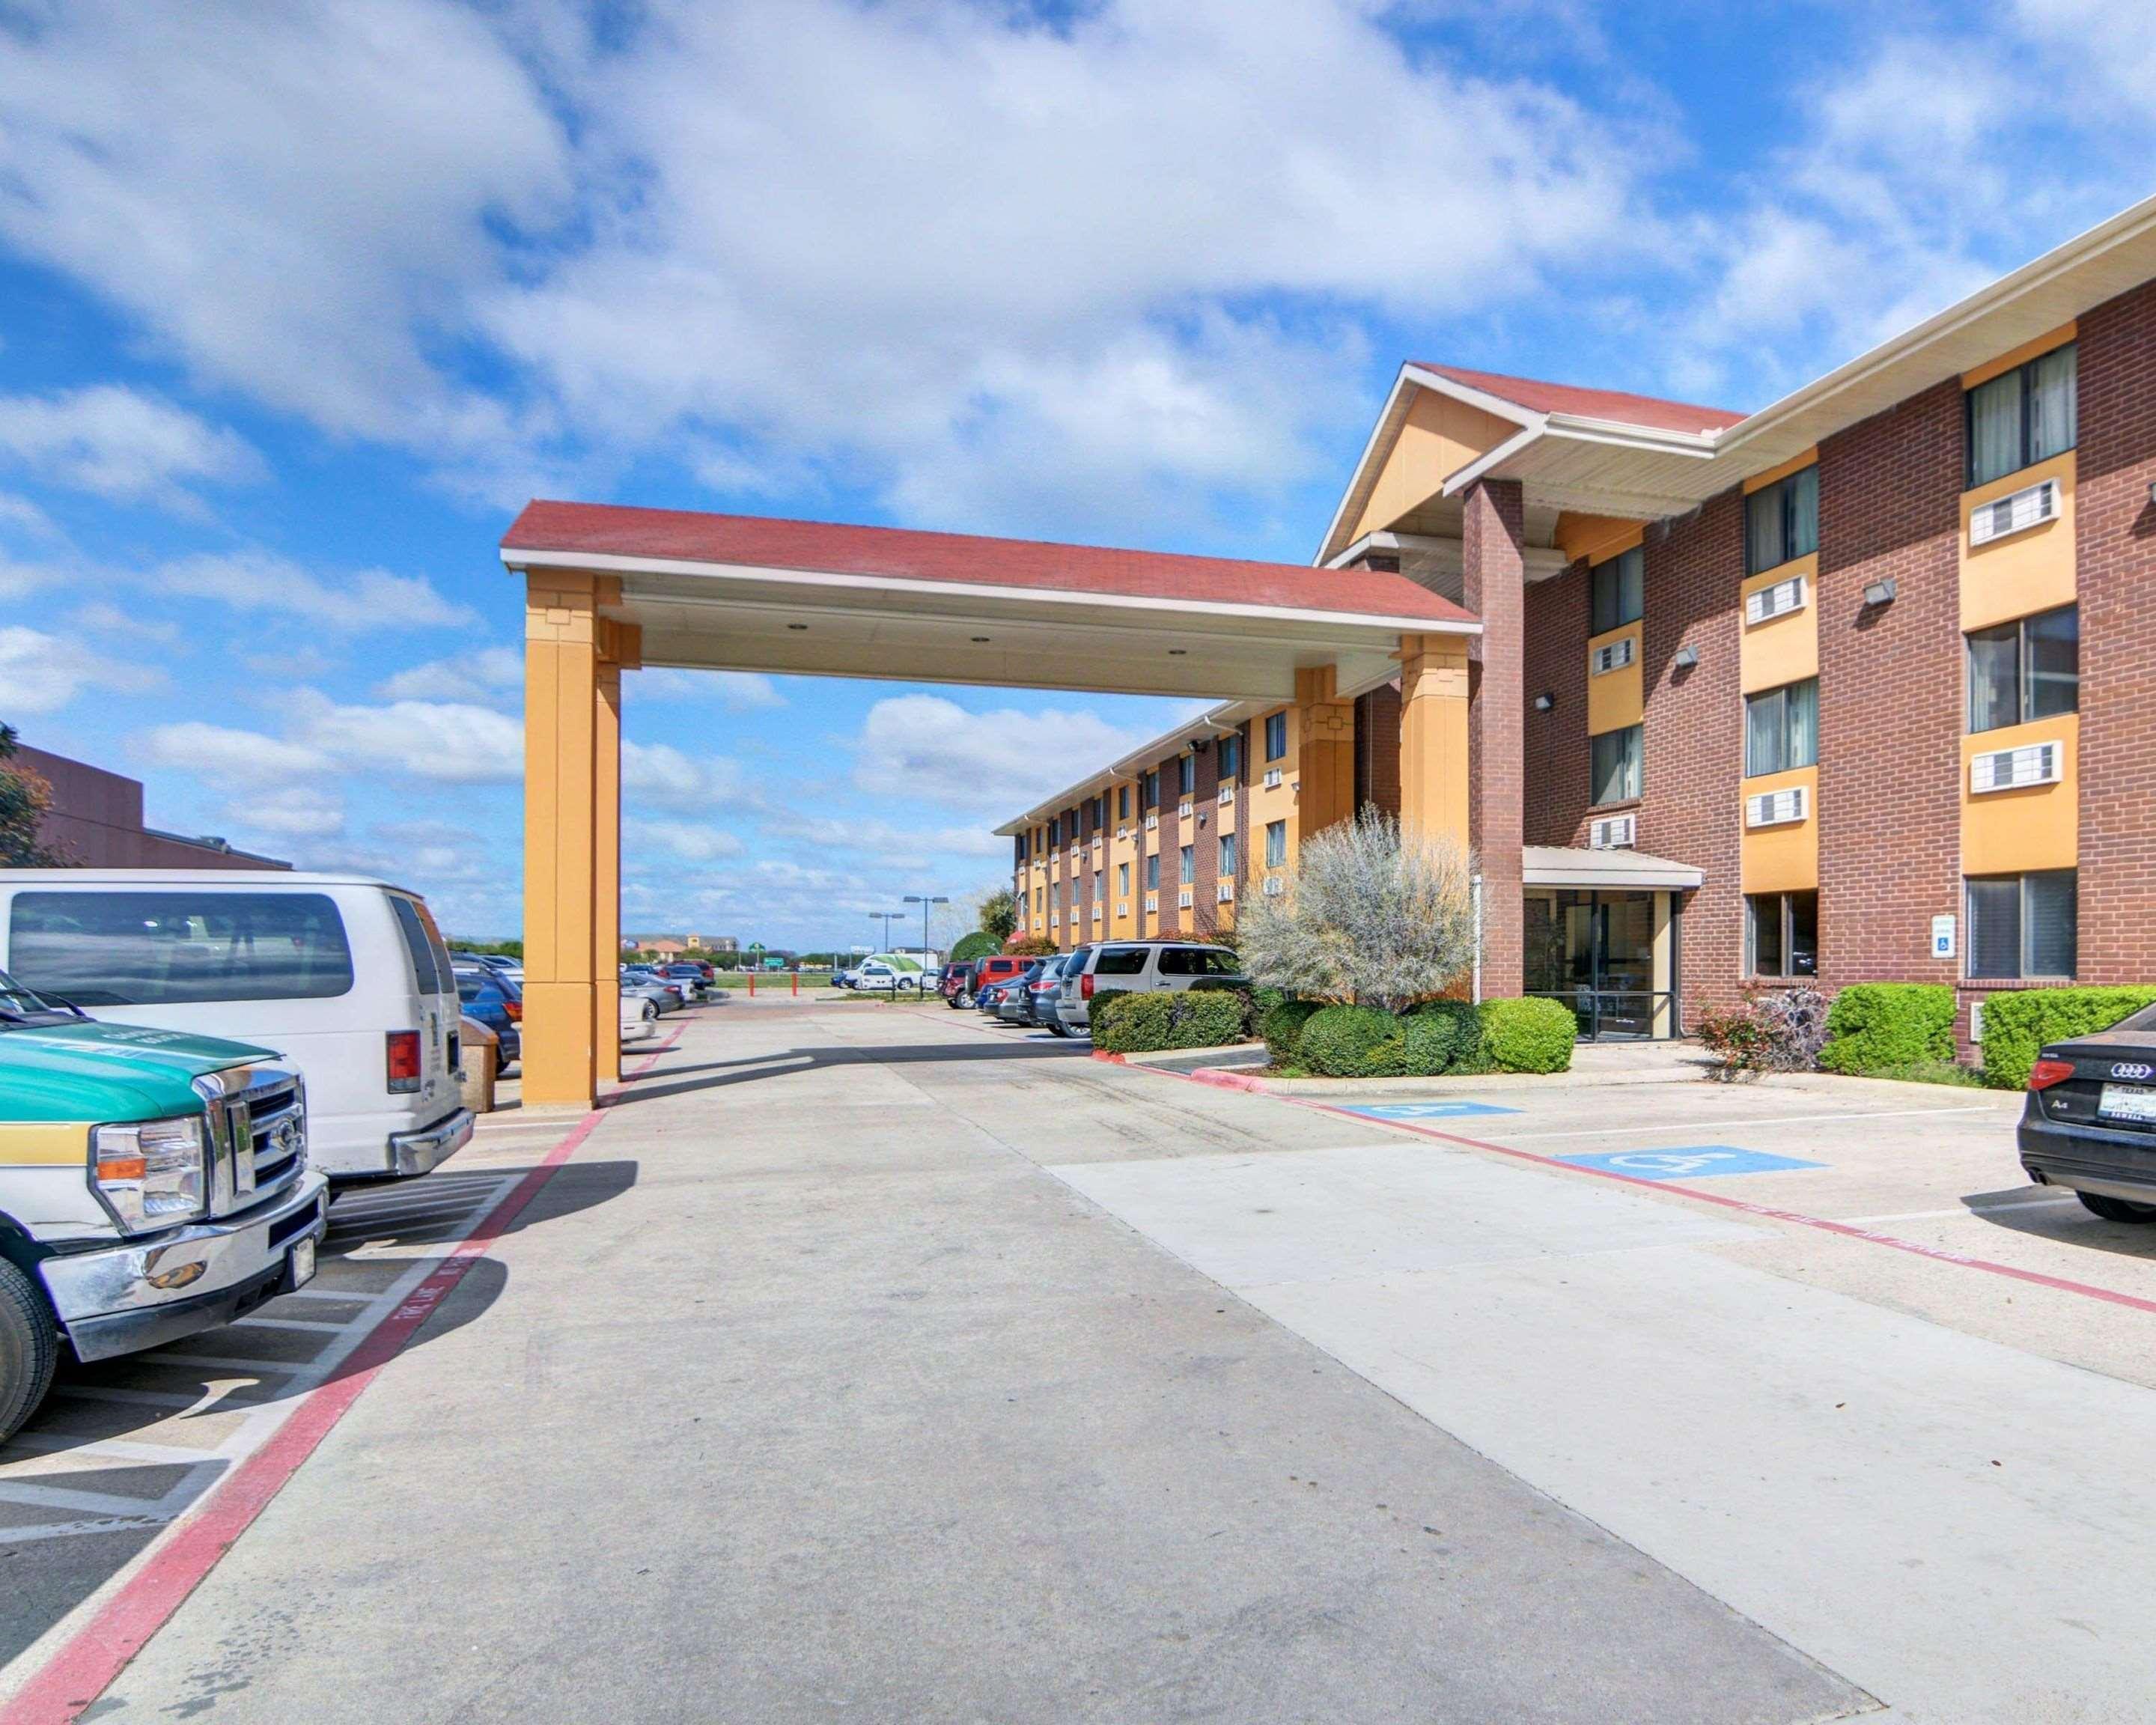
column 924, row 902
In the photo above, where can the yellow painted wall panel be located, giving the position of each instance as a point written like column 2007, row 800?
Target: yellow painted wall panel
column 1439, row 437
column 2036, row 827
column 1616, row 698
column 1596, row 537
column 2025, row 573
column 1783, row 649
column 1795, row 463
column 1782, row 858
column 2019, row 356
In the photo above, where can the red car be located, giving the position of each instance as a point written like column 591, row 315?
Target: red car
column 997, row 967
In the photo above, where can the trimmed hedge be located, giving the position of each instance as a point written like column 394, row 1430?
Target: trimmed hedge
column 1282, row 1027
column 1344, row 1041
column 2019, row 1023
column 1875, row 1025
column 1529, row 1035
column 1125, row 1022
column 1469, row 1053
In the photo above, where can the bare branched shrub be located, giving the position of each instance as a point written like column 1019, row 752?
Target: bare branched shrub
column 1370, row 916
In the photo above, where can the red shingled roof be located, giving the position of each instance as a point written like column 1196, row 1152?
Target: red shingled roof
column 831, row 547
column 1616, row 404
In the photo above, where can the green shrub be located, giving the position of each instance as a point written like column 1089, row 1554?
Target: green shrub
column 1246, row 1001
column 1128, row 1022
column 1875, row 1025
column 1426, row 1045
column 1528, row 1035
column 1349, row 1041
column 2017, row 1025
column 1468, row 1053
column 980, row 944
column 1208, row 1018
column 1282, row 1029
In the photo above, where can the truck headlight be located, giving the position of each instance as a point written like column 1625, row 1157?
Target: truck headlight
column 151, row 1173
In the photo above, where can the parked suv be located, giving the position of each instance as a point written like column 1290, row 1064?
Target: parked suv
column 996, row 967
column 152, row 1184
column 346, row 978
column 1139, row 968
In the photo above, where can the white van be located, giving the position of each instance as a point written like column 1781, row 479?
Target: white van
column 346, row 976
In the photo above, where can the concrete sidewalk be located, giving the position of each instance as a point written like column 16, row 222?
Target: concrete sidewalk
column 842, row 1407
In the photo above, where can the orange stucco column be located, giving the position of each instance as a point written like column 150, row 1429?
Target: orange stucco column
column 560, row 832
column 620, row 648
column 1325, row 759
column 1433, row 748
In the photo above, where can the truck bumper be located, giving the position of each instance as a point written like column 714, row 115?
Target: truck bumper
column 110, row 1302
column 419, row 1153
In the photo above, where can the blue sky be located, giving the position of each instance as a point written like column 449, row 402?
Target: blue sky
column 299, row 304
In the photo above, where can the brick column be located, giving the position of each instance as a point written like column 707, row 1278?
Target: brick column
column 1494, row 589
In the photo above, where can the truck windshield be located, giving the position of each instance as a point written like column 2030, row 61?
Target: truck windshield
column 19, row 1005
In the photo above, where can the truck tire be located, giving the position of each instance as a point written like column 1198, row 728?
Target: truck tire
column 2116, row 1209
column 29, row 1349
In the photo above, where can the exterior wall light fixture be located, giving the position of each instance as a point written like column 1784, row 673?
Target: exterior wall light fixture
column 1544, row 702
column 1880, row 592
column 1686, row 658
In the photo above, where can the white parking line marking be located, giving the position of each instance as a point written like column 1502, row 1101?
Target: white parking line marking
column 70, row 1530
column 103, row 1503
column 1650, row 1130
column 228, row 1363
column 145, row 1398
column 315, row 1326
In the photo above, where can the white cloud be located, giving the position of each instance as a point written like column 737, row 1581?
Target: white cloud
column 19, row 515
column 221, row 752
column 925, row 747
column 660, row 776
column 488, row 674
column 41, row 673
column 304, row 811
column 262, row 581
column 447, row 741
column 102, row 617
column 121, row 444
column 740, row 691
column 687, row 839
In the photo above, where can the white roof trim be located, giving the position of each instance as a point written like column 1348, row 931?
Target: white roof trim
column 1561, row 866
column 515, row 557
column 1498, row 406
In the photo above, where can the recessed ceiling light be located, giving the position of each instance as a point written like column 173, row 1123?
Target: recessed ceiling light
column 980, row 640
column 797, row 625
column 1178, row 653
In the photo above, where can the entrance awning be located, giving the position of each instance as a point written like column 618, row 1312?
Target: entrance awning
column 1605, row 870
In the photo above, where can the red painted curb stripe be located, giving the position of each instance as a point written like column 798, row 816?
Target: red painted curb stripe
column 1846, row 1230
column 94, row 1657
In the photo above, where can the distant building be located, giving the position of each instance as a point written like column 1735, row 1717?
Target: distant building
column 675, row 946
column 96, row 821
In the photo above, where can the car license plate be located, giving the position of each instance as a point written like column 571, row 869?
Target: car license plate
column 2136, row 1102
column 303, row 1262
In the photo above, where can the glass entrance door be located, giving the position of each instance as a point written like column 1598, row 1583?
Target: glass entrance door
column 1596, row 951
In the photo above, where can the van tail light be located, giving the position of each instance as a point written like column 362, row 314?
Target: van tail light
column 2046, row 1073
column 1086, row 987
column 403, row 1062
column 515, row 1009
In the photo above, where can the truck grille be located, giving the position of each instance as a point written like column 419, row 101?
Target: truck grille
column 258, row 1127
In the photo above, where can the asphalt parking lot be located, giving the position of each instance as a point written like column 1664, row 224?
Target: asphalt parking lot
column 868, row 1362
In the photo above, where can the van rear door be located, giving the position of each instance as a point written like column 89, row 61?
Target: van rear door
column 434, row 977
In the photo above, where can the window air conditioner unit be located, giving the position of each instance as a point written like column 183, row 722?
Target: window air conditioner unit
column 1227, row 793
column 1775, row 809
column 1224, row 892
column 1183, row 899
column 1122, row 832
column 1152, row 902
column 1276, row 885
column 2016, row 512
column 1153, row 819
column 1122, row 907
column 2009, row 769
column 1611, row 655
column 1615, row 832
column 1778, row 600
column 1272, row 778
column 1054, row 919
column 1182, row 809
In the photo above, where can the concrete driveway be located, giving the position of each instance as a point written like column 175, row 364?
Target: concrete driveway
column 928, row 1370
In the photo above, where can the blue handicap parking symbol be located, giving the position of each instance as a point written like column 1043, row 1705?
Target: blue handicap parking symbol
column 1694, row 1162
column 1425, row 1111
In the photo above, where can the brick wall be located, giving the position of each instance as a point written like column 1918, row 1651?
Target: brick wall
column 1890, row 692
column 1492, row 588
column 2115, row 547
column 1205, row 838
column 1378, row 749
column 1692, row 735
column 1173, row 832
column 1555, row 746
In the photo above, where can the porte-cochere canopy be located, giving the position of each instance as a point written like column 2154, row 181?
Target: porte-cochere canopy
column 608, row 589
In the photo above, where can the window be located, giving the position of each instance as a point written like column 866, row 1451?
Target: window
column 1781, row 728
column 1122, row 880
column 1276, row 735
column 1187, row 864
column 1186, row 774
column 1120, row 961
column 1781, row 522
column 1100, row 885
column 1151, row 788
column 1615, row 765
column 1152, row 872
column 431, row 968
column 169, row 948
column 2022, row 925
column 1618, row 586
column 1055, row 830
column 1275, row 843
column 1196, row 961
column 2025, row 670
column 1231, row 757
column 1123, row 802
column 2028, row 415
column 1227, row 871
column 1782, row 934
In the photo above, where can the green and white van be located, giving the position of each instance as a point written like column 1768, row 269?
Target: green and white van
column 152, row 1183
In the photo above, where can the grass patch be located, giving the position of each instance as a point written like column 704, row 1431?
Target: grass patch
column 1946, row 1072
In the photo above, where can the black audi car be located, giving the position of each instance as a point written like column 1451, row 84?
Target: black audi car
column 2089, row 1123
